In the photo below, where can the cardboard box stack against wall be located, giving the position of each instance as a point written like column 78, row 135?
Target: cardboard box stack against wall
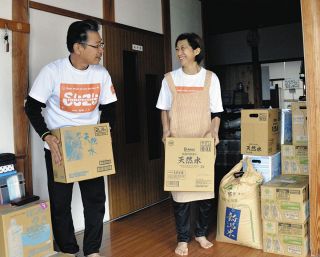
column 285, row 199
column 285, row 215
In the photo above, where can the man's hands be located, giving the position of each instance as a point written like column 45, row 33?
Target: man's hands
column 53, row 143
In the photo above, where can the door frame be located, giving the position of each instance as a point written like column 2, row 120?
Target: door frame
column 310, row 11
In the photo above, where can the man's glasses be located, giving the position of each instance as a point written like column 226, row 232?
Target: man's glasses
column 101, row 45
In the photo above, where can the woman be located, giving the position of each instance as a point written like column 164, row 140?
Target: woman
column 190, row 100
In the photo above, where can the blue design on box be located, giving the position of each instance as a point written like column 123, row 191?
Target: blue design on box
column 73, row 146
column 231, row 223
column 36, row 235
column 92, row 141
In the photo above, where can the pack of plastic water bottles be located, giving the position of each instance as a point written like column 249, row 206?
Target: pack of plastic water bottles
column 12, row 183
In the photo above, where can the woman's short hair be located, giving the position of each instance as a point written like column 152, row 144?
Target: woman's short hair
column 77, row 32
column 194, row 41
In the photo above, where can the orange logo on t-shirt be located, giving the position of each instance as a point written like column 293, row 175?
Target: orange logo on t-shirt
column 79, row 98
column 183, row 89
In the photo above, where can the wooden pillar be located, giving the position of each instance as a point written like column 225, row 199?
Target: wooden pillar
column 253, row 41
column 108, row 10
column 20, row 70
column 167, row 34
column 310, row 11
column 205, row 34
column 108, row 15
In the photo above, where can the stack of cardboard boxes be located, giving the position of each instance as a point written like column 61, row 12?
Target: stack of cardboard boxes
column 260, row 144
column 285, row 199
column 285, row 215
column 294, row 153
column 260, row 140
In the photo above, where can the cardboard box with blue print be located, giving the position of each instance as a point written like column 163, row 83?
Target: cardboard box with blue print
column 189, row 164
column 86, row 153
column 26, row 230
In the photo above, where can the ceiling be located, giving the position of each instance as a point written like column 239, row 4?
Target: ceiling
column 223, row 16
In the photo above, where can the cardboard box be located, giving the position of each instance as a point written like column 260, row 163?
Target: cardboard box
column 286, row 127
column 299, row 123
column 286, row 199
column 189, row 164
column 59, row 254
column 286, row 238
column 26, row 230
column 268, row 166
column 294, row 159
column 286, row 104
column 86, row 153
column 260, row 131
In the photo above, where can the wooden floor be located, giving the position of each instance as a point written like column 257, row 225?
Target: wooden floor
column 151, row 233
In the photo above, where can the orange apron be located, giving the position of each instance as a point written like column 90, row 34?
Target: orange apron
column 189, row 117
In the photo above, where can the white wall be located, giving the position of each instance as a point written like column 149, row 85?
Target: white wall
column 283, row 73
column 185, row 16
column 6, row 114
column 283, row 70
column 143, row 14
column 89, row 7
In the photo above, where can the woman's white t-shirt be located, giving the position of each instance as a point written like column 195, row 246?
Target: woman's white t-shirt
column 186, row 83
column 72, row 96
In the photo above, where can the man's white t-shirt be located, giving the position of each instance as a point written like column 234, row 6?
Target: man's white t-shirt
column 72, row 96
column 187, row 83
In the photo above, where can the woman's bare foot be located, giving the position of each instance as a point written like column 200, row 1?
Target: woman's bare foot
column 182, row 248
column 204, row 243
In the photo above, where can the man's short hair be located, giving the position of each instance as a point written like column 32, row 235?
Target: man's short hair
column 77, row 32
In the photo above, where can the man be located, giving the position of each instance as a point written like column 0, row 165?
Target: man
column 60, row 89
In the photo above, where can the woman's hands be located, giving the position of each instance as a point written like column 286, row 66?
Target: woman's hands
column 215, row 136
column 165, row 135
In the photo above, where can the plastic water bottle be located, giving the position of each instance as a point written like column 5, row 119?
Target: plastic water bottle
column 13, row 187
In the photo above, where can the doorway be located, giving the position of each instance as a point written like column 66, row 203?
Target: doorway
column 135, row 61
